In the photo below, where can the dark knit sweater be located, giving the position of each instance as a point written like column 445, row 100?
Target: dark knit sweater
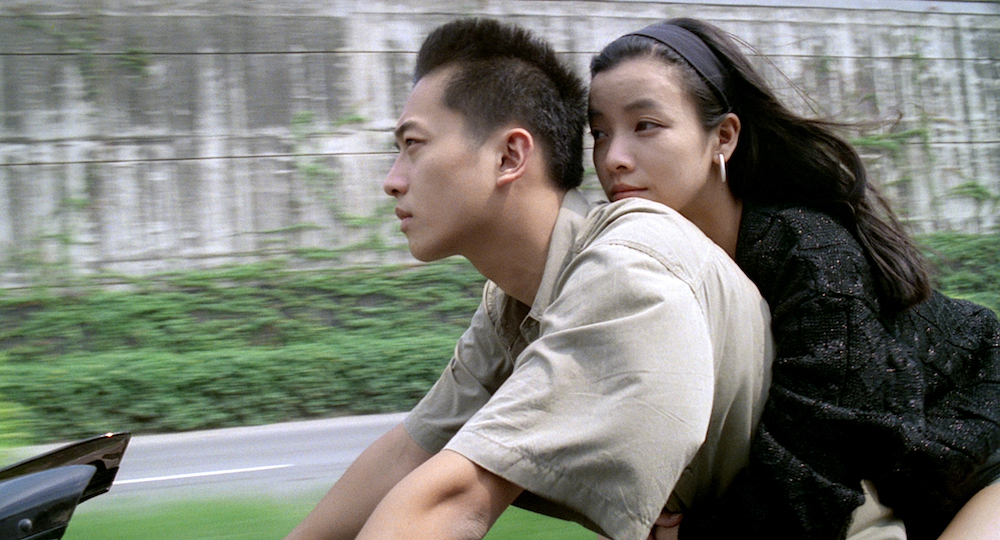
column 909, row 401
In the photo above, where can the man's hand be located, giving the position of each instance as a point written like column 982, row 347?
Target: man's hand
column 448, row 497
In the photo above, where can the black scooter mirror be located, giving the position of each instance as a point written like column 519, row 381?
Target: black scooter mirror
column 38, row 495
column 38, row 506
column 104, row 452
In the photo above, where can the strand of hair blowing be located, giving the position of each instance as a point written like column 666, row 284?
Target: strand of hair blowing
column 784, row 158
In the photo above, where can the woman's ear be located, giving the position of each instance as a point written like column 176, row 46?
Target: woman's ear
column 729, row 135
column 518, row 147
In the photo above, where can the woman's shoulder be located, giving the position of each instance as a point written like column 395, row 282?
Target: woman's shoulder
column 796, row 227
column 782, row 247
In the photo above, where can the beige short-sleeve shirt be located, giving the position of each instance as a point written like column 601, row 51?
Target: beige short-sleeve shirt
column 637, row 375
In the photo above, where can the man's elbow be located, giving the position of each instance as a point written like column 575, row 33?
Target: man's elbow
column 449, row 497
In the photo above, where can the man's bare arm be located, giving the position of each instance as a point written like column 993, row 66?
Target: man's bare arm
column 344, row 510
column 446, row 498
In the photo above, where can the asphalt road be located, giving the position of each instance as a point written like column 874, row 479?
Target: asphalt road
column 300, row 458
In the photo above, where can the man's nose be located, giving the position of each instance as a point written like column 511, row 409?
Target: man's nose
column 395, row 183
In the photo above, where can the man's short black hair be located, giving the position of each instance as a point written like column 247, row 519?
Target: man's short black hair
column 506, row 75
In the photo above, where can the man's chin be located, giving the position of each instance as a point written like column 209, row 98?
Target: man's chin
column 424, row 255
column 424, row 258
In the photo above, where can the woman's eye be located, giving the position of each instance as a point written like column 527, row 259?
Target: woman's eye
column 597, row 134
column 644, row 125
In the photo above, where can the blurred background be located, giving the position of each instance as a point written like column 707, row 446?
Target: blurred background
column 145, row 136
column 193, row 234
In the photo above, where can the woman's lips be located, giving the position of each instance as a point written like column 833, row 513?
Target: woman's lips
column 624, row 191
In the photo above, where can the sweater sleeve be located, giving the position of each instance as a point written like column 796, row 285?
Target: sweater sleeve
column 800, row 481
column 959, row 346
column 837, row 390
column 908, row 401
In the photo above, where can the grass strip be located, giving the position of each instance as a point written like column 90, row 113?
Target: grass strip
column 261, row 519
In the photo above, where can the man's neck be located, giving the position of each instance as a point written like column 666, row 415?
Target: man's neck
column 514, row 256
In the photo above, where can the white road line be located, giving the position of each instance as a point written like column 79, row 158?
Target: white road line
column 201, row 474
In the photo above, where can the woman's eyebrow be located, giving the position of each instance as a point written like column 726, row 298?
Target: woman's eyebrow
column 641, row 104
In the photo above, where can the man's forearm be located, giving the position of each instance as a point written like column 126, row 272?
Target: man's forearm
column 345, row 508
column 447, row 498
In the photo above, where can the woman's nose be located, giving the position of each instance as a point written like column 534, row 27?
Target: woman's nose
column 618, row 158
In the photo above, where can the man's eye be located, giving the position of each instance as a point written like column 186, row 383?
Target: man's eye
column 403, row 145
column 644, row 125
column 597, row 134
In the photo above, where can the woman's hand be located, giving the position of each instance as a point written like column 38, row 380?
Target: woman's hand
column 666, row 526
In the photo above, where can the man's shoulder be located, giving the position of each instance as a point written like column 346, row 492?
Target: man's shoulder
column 640, row 220
column 651, row 228
column 636, row 233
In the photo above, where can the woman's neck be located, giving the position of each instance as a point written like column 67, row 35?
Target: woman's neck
column 723, row 224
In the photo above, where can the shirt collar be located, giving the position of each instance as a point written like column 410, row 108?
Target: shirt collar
column 571, row 218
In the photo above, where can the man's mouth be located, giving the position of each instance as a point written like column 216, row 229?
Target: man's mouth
column 404, row 218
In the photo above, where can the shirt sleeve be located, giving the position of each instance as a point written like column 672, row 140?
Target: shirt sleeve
column 480, row 363
column 604, row 410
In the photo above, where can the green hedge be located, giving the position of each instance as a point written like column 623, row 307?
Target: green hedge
column 227, row 348
column 968, row 264
column 261, row 344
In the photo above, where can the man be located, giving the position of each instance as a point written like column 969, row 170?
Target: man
column 619, row 358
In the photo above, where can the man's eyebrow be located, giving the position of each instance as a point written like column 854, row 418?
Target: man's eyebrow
column 398, row 133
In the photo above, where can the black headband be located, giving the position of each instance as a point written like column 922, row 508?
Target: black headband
column 692, row 49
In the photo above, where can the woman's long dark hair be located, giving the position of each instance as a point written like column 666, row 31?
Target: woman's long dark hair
column 785, row 158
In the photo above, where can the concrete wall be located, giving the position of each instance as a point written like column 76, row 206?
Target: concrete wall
column 141, row 136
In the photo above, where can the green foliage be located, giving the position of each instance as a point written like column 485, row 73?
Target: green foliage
column 890, row 141
column 973, row 190
column 14, row 428
column 136, row 61
column 968, row 264
column 79, row 37
column 350, row 119
column 302, row 123
column 235, row 346
column 255, row 344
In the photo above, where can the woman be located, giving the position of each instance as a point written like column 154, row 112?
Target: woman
column 880, row 385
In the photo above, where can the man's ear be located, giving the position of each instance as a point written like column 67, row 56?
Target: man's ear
column 729, row 135
column 517, row 148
